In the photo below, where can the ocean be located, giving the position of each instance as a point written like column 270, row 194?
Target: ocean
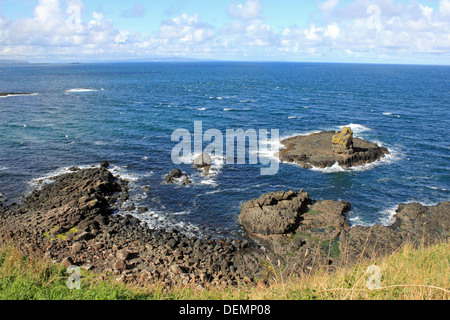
column 125, row 113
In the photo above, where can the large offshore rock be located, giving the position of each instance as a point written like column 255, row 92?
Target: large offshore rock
column 318, row 150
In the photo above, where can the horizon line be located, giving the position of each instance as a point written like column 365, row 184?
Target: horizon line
column 196, row 60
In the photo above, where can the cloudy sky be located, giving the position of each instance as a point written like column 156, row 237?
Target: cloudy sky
column 374, row 31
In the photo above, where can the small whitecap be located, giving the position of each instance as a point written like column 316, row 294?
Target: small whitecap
column 78, row 90
column 356, row 128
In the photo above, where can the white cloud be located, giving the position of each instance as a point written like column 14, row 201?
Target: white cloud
column 252, row 9
column 62, row 29
column 186, row 29
column 332, row 31
column 328, row 6
column 444, row 7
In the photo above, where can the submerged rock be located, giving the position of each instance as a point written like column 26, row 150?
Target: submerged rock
column 202, row 160
column 174, row 174
column 7, row 94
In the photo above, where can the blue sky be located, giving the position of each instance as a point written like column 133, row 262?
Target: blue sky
column 373, row 31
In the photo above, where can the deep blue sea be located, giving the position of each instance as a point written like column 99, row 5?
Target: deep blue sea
column 126, row 113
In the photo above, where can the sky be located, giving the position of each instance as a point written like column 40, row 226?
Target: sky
column 361, row 31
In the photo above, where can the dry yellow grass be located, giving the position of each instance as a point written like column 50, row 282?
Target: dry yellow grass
column 411, row 273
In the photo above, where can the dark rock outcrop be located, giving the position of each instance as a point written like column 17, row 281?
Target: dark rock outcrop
column 177, row 174
column 7, row 94
column 72, row 221
column 274, row 213
column 322, row 235
column 318, row 150
column 174, row 174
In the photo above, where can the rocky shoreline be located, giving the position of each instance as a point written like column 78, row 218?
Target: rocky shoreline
column 73, row 221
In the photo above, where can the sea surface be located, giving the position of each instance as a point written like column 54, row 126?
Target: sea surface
column 81, row 114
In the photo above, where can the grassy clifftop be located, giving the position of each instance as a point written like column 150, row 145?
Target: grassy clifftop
column 410, row 273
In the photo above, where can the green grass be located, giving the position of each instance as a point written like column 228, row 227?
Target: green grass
column 410, row 273
column 331, row 248
column 30, row 278
column 313, row 212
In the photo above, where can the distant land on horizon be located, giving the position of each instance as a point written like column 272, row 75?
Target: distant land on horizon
column 2, row 61
column 181, row 59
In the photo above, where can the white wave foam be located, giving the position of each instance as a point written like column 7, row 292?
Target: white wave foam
column 39, row 182
column 201, row 109
column 393, row 156
column 217, row 163
column 273, row 149
column 76, row 90
column 390, row 114
column 356, row 128
column 227, row 109
column 292, row 117
column 157, row 220
column 115, row 170
column 127, row 175
column 356, row 221
column 216, row 167
column 3, row 168
column 333, row 169
column 429, row 187
column 387, row 216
